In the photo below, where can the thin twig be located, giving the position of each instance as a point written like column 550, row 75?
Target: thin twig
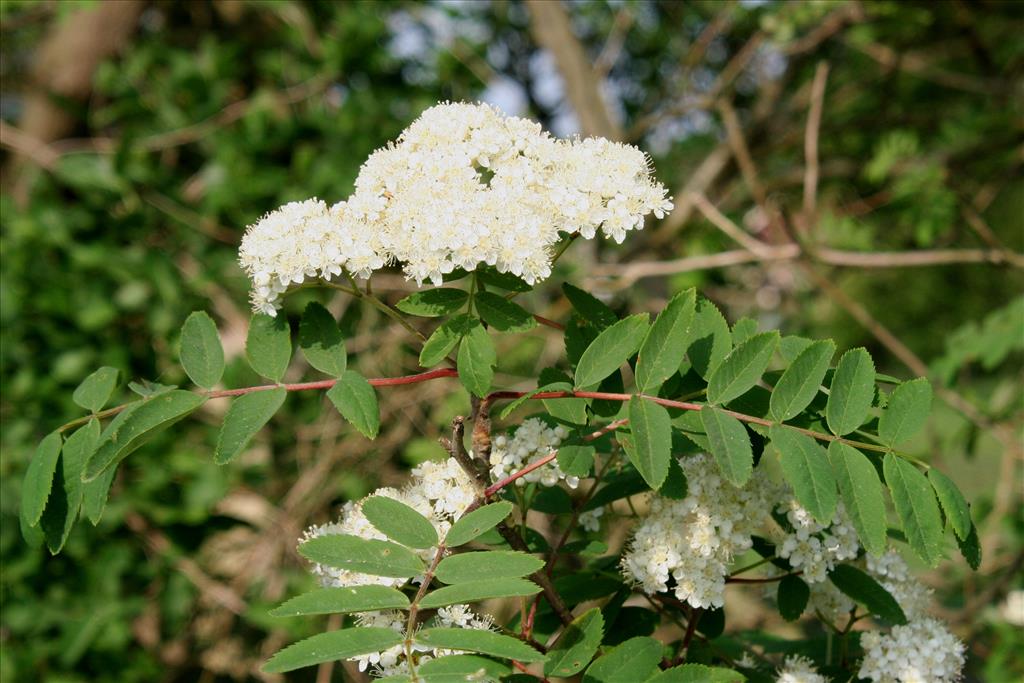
column 811, row 133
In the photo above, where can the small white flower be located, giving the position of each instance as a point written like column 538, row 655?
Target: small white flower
column 814, row 548
column 892, row 572
column 797, row 669
column 922, row 651
column 532, row 441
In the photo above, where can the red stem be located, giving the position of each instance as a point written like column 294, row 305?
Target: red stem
column 328, row 383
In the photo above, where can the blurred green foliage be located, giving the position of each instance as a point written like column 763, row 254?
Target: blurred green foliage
column 216, row 112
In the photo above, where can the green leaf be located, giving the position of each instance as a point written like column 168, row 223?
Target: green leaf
column 269, row 346
column 635, row 660
column 697, row 673
column 476, row 361
column 916, row 507
column 479, row 521
column 368, row 556
column 445, row 337
column 806, row 467
column 742, row 330
column 321, row 340
column 461, row 668
column 865, row 590
column 800, row 382
column 652, row 440
column 343, row 601
column 76, row 451
column 709, row 340
column 493, row 564
column 610, row 350
column 791, row 346
column 510, row 281
column 861, row 493
column 35, row 487
column 792, row 597
column 576, row 460
column 665, row 346
column 970, row 548
column 906, row 411
column 433, row 303
column 474, row 591
column 576, row 646
column 730, row 444
column 356, row 400
column 851, row 393
column 332, row 646
column 94, row 495
column 201, row 354
column 742, row 368
column 484, row 642
column 519, row 402
column 399, row 522
column 590, row 308
column 146, row 421
column 95, row 390
column 953, row 503
column 246, row 416
column 502, row 314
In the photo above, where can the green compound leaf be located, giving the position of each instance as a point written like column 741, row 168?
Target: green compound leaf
column 368, row 556
column 35, row 487
column 433, row 303
column 865, row 590
column 697, row 673
column 399, row 522
column 610, row 350
column 635, row 660
column 59, row 516
column 356, row 400
column 445, row 337
column 143, row 423
column 590, row 308
column 490, row 275
column 269, row 346
column 663, row 349
column 460, row 668
column 332, row 646
column 793, row 595
column 474, row 591
column 246, row 416
column 202, row 355
column 953, row 503
column 484, row 642
column 800, row 382
column 576, row 460
column 851, row 393
column 321, row 340
column 742, row 368
column 95, row 390
column 652, row 440
column 477, row 522
column 709, row 340
column 476, row 361
column 576, row 646
column 730, row 444
column 806, row 467
column 914, row 500
column 493, row 564
column 861, row 493
column 344, row 600
column 502, row 314
column 906, row 411
column 94, row 495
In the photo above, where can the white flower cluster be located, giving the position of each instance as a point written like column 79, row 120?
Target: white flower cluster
column 830, row 602
column 392, row 662
column 464, row 185
column 532, row 440
column 892, row 572
column 440, row 491
column 694, row 540
column 814, row 548
column 797, row 669
column 922, row 651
